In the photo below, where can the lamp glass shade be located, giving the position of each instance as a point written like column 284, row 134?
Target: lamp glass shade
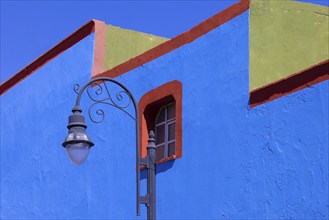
column 78, row 152
column 77, row 144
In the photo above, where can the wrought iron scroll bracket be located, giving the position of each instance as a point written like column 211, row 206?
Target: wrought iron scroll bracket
column 101, row 90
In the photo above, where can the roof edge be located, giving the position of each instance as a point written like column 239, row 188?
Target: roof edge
column 297, row 81
column 78, row 35
column 100, row 46
column 180, row 40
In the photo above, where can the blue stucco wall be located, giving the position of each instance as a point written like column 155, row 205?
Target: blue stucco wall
column 267, row 162
column 37, row 180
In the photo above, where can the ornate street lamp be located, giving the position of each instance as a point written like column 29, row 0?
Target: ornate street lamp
column 77, row 142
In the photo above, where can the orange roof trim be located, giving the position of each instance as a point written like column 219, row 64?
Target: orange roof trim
column 182, row 39
column 100, row 40
column 100, row 46
column 274, row 90
column 297, row 81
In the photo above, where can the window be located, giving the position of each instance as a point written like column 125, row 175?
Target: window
column 165, row 126
column 161, row 111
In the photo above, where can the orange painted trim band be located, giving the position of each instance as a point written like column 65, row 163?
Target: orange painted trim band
column 173, row 88
column 81, row 33
column 99, row 48
column 297, row 81
column 182, row 39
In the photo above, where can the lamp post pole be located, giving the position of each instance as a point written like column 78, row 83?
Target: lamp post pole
column 77, row 142
column 151, row 184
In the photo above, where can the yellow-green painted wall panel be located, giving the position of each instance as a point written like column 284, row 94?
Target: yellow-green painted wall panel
column 285, row 37
column 123, row 44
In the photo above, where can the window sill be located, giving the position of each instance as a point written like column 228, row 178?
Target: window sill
column 166, row 159
column 173, row 157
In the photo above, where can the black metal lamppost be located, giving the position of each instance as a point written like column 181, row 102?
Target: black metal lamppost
column 77, row 142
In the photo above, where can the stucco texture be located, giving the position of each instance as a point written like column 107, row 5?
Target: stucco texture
column 285, row 37
column 37, row 179
column 268, row 162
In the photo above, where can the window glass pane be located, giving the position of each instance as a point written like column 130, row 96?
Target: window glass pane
column 160, row 134
column 160, row 152
column 171, row 131
column 171, row 149
column 161, row 116
column 171, row 111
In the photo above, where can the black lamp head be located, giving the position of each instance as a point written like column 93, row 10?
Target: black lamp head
column 77, row 142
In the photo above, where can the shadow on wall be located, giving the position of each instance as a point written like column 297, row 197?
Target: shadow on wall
column 162, row 167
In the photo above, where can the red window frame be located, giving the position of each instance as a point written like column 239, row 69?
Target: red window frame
column 148, row 108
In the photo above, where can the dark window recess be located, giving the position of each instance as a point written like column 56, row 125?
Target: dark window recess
column 165, row 130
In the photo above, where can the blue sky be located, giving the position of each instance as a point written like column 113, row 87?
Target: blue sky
column 30, row 28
